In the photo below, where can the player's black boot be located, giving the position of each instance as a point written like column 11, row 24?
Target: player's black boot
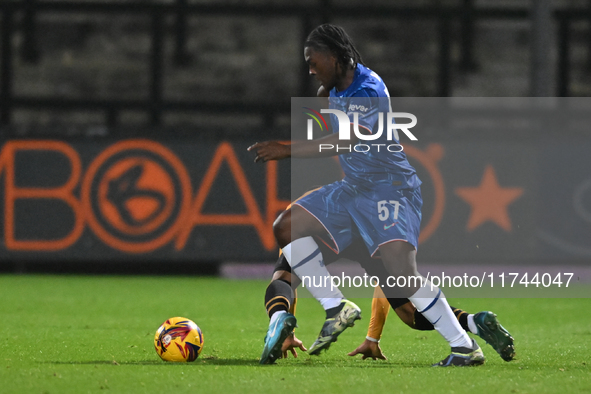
column 463, row 357
column 495, row 334
column 334, row 326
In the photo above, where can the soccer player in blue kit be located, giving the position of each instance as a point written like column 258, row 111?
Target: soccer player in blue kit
column 379, row 200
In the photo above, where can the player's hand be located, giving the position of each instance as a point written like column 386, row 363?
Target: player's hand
column 369, row 349
column 270, row 150
column 291, row 343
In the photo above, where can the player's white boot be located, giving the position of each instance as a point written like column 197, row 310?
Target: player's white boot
column 334, row 326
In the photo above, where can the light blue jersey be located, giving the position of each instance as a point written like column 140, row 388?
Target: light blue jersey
column 368, row 96
column 379, row 200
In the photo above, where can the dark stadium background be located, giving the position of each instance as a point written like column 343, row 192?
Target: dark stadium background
column 111, row 82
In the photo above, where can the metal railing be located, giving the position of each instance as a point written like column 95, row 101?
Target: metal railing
column 155, row 105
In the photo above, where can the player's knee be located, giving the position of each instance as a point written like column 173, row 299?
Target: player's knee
column 406, row 313
column 282, row 275
column 282, row 228
column 399, row 258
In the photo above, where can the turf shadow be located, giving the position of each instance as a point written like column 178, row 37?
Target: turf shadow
column 309, row 363
column 156, row 362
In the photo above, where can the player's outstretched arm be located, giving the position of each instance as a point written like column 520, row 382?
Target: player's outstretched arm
column 320, row 147
column 370, row 347
column 380, row 307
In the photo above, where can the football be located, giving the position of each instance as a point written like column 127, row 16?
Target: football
column 178, row 339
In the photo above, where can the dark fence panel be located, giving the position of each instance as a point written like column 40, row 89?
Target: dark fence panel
column 138, row 200
column 309, row 15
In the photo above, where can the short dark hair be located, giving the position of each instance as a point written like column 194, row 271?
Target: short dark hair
column 334, row 39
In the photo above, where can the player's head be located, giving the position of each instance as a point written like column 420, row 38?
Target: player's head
column 330, row 53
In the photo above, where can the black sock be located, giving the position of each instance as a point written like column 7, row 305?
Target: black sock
column 462, row 317
column 421, row 322
column 332, row 312
column 278, row 296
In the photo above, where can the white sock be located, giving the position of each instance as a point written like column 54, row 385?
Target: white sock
column 328, row 303
column 306, row 262
column 275, row 315
column 472, row 325
column 433, row 305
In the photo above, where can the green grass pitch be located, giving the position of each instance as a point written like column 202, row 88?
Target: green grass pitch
column 79, row 334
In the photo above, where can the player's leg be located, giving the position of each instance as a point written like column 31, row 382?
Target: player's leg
column 409, row 314
column 374, row 267
column 279, row 298
column 392, row 232
column 399, row 260
column 303, row 254
column 405, row 310
column 282, row 274
column 279, row 295
column 484, row 324
column 306, row 260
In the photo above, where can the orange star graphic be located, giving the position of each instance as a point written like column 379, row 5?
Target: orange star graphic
column 489, row 201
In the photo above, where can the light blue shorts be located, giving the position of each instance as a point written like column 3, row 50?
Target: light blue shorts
column 380, row 214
